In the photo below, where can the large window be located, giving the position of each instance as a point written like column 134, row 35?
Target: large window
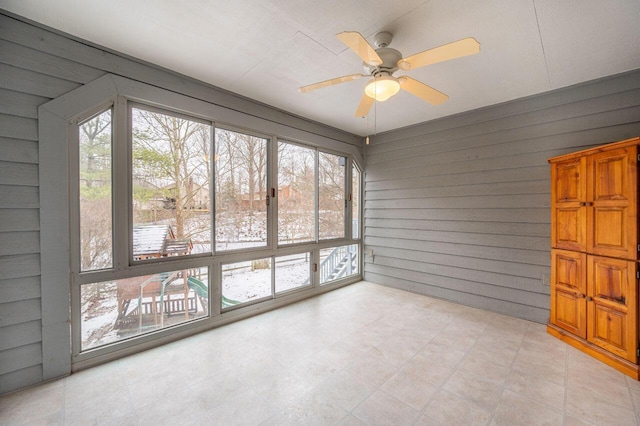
column 259, row 279
column 118, row 309
column 95, row 192
column 296, row 193
column 292, row 272
column 170, row 211
column 338, row 262
column 355, row 202
column 244, row 282
column 311, row 194
column 331, row 190
column 241, row 190
column 170, row 216
column 170, row 177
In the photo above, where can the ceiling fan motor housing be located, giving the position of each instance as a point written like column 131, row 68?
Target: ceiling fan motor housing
column 390, row 58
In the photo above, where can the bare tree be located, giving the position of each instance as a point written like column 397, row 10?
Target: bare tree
column 95, row 192
column 331, row 186
column 296, row 203
column 170, row 157
column 240, row 188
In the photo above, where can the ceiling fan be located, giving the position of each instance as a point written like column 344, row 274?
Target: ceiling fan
column 382, row 62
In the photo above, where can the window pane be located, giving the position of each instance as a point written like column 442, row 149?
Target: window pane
column 96, row 232
column 116, row 310
column 293, row 272
column 241, row 189
column 338, row 262
column 244, row 282
column 355, row 202
column 296, row 194
column 331, row 181
column 170, row 179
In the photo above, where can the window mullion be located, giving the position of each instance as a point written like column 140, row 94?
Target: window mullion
column 121, row 185
column 348, row 198
column 215, row 276
column 272, row 189
column 74, row 196
column 74, row 232
column 317, row 195
column 272, row 167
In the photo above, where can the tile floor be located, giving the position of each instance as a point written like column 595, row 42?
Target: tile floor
column 364, row 354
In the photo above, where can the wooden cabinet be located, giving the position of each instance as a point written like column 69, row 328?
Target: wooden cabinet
column 594, row 256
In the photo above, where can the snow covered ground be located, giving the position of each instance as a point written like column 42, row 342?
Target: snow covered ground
column 243, row 283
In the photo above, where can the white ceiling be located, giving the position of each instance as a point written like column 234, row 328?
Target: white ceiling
column 266, row 49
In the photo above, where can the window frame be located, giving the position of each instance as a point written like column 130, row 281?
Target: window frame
column 276, row 186
column 131, row 104
column 124, row 266
column 74, row 187
column 61, row 282
column 347, row 190
column 348, row 248
column 271, row 212
column 345, row 195
column 360, row 193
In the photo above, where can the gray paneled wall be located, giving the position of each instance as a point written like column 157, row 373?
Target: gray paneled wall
column 37, row 65
column 458, row 208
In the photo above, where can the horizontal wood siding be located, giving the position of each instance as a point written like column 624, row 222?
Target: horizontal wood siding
column 458, row 208
column 18, row 378
column 37, row 65
column 25, row 84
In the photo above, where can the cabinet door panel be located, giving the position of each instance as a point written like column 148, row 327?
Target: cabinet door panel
column 568, row 290
column 570, row 227
column 612, row 311
column 568, row 193
column 611, row 222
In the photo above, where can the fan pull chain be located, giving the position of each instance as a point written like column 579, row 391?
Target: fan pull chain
column 366, row 141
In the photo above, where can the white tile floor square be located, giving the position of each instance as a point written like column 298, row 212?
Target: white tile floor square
column 363, row 354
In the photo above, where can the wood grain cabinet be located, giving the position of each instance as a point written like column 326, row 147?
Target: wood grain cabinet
column 594, row 253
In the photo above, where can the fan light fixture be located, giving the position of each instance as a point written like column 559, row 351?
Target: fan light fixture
column 382, row 88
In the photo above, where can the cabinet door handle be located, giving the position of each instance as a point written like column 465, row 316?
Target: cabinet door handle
column 581, row 296
column 589, row 298
column 582, row 204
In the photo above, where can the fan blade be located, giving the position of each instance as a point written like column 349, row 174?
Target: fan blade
column 327, row 83
column 365, row 106
column 456, row 49
column 421, row 90
column 354, row 41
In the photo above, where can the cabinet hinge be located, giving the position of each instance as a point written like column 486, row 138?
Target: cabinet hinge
column 638, row 352
column 638, row 158
column 638, row 247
